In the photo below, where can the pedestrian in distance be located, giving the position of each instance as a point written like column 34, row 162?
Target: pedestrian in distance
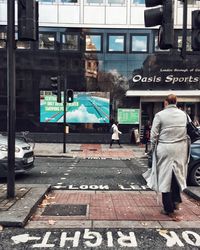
column 146, row 135
column 115, row 134
column 170, row 147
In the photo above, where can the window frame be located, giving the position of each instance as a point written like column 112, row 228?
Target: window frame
column 101, row 42
column 93, row 4
column 133, row 3
column 116, row 51
column 69, row 50
column 120, row 4
column 131, row 44
column 65, row 3
column 50, row 33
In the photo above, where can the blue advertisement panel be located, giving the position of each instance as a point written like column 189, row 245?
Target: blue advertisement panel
column 88, row 107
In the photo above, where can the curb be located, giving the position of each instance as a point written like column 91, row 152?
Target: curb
column 21, row 211
column 193, row 192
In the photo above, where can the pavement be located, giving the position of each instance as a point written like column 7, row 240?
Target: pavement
column 36, row 206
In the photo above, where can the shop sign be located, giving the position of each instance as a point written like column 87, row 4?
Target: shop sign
column 167, row 72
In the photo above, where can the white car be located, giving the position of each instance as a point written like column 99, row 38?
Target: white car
column 24, row 156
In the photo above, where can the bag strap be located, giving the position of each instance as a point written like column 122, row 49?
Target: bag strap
column 187, row 118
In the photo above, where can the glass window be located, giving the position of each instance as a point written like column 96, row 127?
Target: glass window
column 47, row 1
column 139, row 43
column 116, row 1
column 2, row 44
column 139, row 1
column 46, row 41
column 68, row 1
column 2, row 40
column 190, row 2
column 70, row 42
column 23, row 45
column 94, row 1
column 93, row 42
column 116, row 43
column 188, row 43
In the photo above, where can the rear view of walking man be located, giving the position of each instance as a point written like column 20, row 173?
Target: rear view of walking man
column 170, row 144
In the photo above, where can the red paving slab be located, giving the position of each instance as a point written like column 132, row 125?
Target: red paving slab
column 116, row 206
column 96, row 151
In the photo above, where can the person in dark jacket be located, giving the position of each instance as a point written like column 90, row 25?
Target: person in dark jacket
column 146, row 135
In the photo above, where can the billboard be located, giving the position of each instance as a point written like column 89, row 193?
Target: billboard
column 128, row 116
column 88, row 107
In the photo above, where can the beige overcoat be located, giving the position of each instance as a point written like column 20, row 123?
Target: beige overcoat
column 170, row 144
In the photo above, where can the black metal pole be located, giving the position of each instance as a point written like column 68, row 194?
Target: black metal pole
column 64, row 118
column 184, row 35
column 11, row 97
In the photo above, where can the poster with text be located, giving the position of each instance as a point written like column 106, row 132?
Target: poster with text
column 88, row 107
column 128, row 116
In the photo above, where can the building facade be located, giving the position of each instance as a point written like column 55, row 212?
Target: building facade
column 104, row 51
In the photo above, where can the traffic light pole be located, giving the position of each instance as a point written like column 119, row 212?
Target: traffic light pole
column 64, row 118
column 184, row 35
column 11, row 97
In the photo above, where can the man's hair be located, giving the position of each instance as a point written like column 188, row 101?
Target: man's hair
column 171, row 99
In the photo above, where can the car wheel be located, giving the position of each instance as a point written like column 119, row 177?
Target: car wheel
column 195, row 175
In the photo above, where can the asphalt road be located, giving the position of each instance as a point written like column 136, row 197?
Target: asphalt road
column 114, row 239
column 81, row 174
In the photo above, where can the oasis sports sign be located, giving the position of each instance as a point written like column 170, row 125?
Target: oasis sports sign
column 167, row 72
column 167, row 79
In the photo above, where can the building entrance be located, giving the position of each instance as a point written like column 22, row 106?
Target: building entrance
column 149, row 109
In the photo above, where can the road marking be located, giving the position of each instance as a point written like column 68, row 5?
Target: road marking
column 115, row 238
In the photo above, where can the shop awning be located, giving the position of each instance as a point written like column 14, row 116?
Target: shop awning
column 160, row 93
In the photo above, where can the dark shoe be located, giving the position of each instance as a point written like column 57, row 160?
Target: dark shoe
column 165, row 212
column 176, row 205
column 120, row 146
column 172, row 215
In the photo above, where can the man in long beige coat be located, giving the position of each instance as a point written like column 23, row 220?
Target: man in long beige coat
column 169, row 141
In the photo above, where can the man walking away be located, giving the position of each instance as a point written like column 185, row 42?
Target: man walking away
column 170, row 143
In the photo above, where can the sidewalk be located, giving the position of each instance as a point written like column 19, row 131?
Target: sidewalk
column 88, row 151
column 110, row 209
column 92, row 208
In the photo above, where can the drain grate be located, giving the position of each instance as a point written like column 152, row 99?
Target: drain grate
column 92, row 149
column 65, row 210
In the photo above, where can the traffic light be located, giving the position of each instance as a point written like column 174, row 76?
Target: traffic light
column 163, row 16
column 56, row 87
column 196, row 30
column 28, row 20
column 70, row 95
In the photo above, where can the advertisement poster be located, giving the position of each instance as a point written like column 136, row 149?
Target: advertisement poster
column 88, row 107
column 128, row 116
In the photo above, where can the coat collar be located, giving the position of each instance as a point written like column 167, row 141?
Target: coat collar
column 171, row 106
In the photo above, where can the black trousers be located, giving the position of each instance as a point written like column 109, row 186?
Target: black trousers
column 111, row 142
column 169, row 199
